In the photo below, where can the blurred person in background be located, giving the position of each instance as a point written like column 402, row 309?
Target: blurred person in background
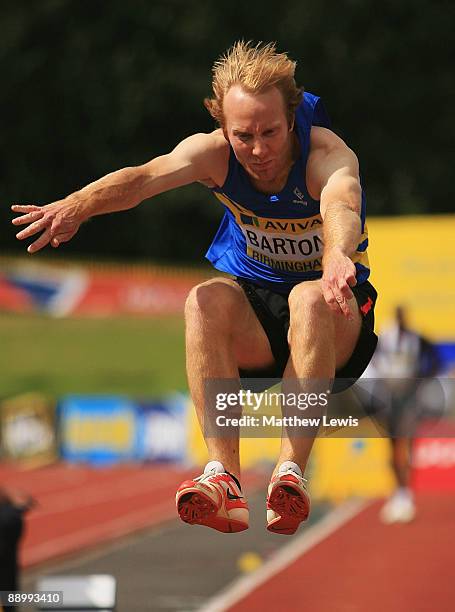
column 294, row 238
column 402, row 359
column 13, row 505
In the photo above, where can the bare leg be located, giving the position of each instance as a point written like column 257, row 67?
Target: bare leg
column 222, row 333
column 400, row 506
column 400, row 460
column 320, row 341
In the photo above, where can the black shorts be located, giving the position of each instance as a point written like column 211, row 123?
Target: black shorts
column 272, row 311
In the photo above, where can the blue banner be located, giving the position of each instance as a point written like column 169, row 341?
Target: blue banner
column 103, row 430
column 162, row 429
column 97, row 429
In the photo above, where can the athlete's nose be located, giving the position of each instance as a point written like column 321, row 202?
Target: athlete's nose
column 259, row 148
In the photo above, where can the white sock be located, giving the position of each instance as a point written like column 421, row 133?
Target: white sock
column 289, row 465
column 404, row 493
column 214, row 465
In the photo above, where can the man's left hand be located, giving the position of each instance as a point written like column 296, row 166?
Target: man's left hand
column 337, row 279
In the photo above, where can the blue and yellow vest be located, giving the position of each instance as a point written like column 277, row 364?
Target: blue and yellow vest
column 276, row 240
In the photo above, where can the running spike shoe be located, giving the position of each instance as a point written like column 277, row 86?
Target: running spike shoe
column 288, row 502
column 214, row 500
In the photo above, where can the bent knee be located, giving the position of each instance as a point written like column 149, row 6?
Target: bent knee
column 216, row 296
column 306, row 298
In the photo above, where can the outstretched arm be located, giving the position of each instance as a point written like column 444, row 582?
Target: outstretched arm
column 334, row 175
column 194, row 159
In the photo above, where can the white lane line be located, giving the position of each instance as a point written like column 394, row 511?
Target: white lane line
column 286, row 555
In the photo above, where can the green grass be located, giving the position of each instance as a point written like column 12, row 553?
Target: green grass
column 134, row 356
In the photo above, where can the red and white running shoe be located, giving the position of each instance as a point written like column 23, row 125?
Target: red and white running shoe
column 213, row 499
column 288, row 502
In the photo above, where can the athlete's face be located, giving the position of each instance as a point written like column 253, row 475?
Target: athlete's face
column 257, row 128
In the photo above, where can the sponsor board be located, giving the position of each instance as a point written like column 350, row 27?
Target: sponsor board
column 97, row 429
column 412, row 262
column 102, row 430
column 344, row 467
column 162, row 429
column 90, row 291
column 27, row 427
column 433, row 459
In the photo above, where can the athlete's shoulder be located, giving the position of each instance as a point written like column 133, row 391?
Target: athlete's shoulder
column 325, row 144
column 324, row 139
column 218, row 145
column 215, row 150
column 329, row 157
column 209, row 152
column 204, row 144
column 218, row 139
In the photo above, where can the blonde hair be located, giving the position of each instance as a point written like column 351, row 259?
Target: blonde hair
column 255, row 68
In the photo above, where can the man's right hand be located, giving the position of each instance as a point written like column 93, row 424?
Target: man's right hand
column 201, row 157
column 58, row 222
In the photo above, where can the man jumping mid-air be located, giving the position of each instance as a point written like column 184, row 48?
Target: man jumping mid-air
column 299, row 306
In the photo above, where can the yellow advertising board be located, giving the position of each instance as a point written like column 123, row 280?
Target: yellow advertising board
column 346, row 467
column 412, row 262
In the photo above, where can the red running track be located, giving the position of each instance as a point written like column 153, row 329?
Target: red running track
column 79, row 507
column 365, row 566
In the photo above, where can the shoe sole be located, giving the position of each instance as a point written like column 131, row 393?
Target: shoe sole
column 385, row 520
column 292, row 506
column 195, row 508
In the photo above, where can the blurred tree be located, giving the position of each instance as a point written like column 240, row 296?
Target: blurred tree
column 91, row 87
